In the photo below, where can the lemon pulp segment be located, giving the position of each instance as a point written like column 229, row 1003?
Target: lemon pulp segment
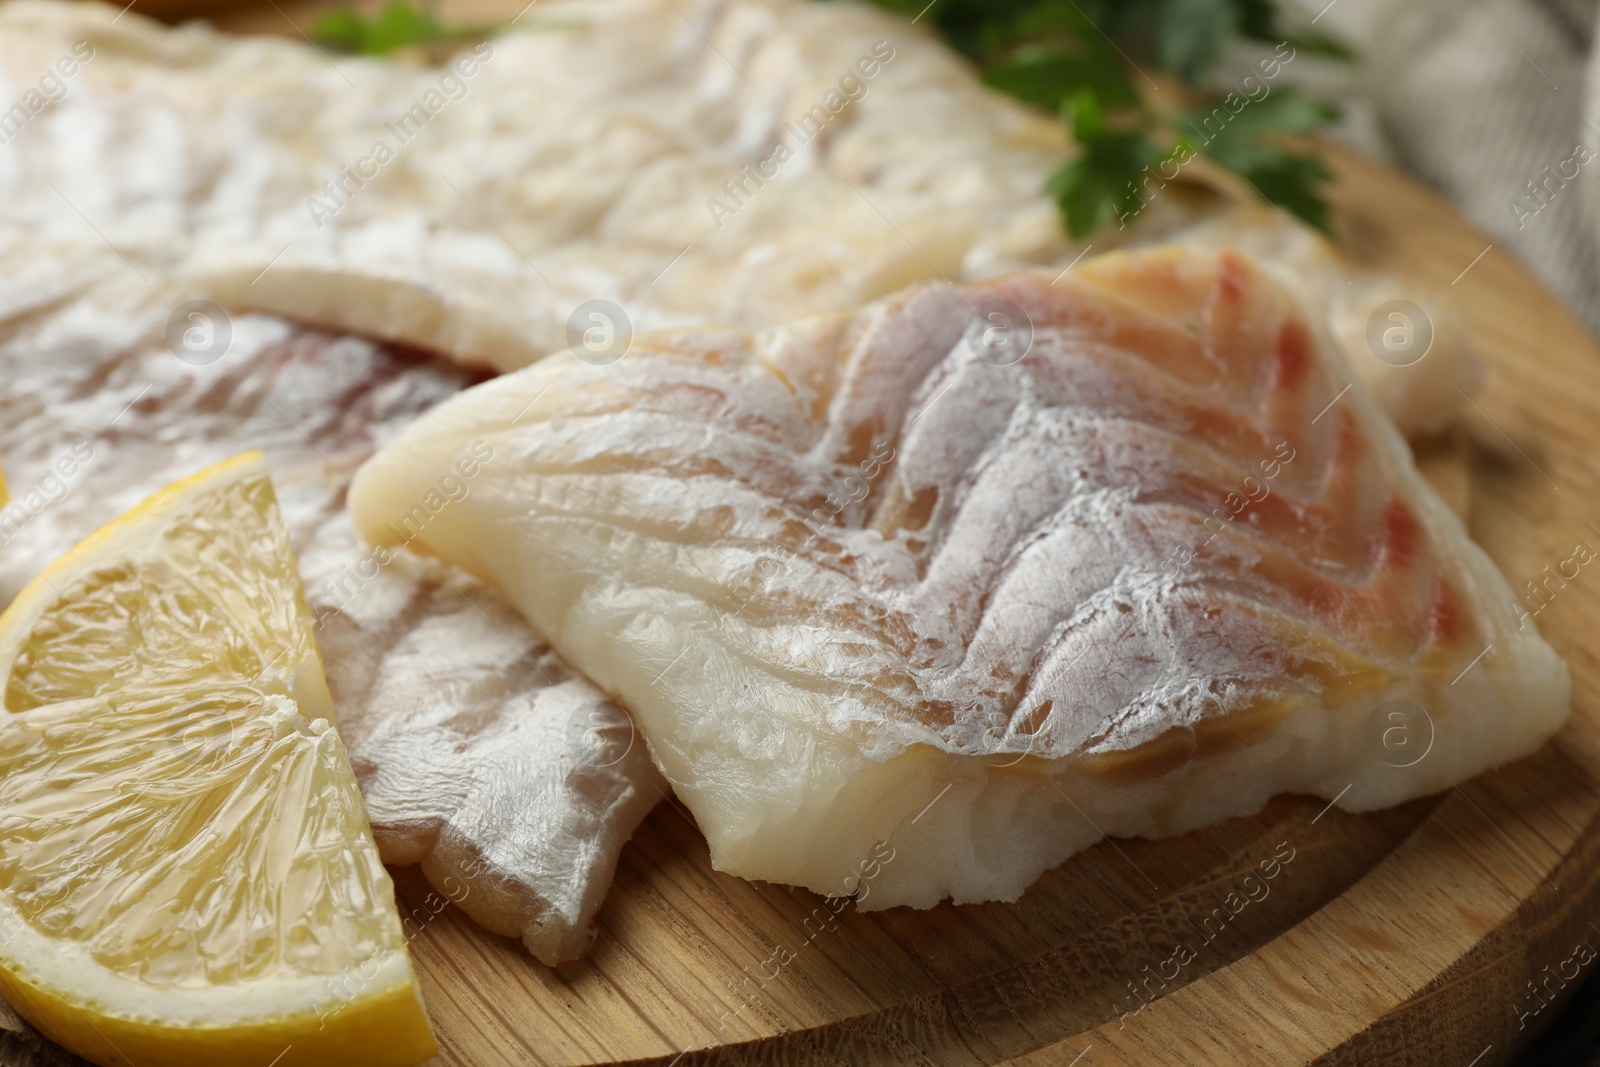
column 186, row 871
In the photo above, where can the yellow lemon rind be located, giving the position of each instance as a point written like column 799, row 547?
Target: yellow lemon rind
column 386, row 1027
column 372, row 1014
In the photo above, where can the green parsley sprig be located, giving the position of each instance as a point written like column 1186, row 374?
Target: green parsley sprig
column 397, row 26
column 1088, row 61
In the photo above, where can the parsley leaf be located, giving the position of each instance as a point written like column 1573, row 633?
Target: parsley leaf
column 1191, row 35
column 1258, row 21
column 1292, row 180
column 1096, row 184
column 1048, row 76
column 1088, row 61
column 399, row 25
column 1240, row 133
column 1236, row 131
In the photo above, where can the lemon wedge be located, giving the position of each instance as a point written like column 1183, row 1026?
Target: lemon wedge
column 186, row 872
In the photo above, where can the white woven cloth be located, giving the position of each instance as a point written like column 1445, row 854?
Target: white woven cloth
column 1478, row 98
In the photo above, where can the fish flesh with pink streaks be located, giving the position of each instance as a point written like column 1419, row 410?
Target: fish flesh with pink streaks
column 985, row 572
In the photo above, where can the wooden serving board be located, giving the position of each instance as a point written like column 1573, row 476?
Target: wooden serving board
column 1403, row 936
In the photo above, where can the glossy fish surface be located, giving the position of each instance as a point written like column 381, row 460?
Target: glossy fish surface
column 480, row 755
column 988, row 571
column 596, row 169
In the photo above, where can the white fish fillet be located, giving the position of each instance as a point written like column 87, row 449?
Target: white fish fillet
column 859, row 585
column 513, row 783
column 577, row 164
column 579, row 161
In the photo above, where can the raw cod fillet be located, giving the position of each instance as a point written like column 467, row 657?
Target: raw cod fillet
column 575, row 162
column 180, row 162
column 601, row 134
column 511, row 781
column 859, row 585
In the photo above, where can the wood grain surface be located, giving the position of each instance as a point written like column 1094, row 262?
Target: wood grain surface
column 1405, row 936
